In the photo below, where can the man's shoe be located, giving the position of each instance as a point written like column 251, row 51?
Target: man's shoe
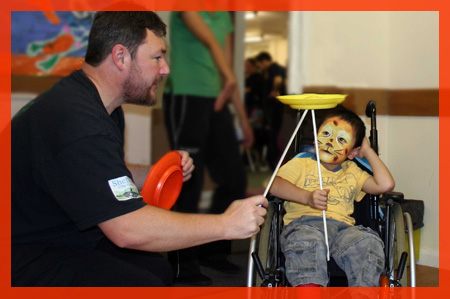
column 221, row 265
column 198, row 280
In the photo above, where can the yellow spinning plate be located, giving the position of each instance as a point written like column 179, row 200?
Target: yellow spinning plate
column 312, row 101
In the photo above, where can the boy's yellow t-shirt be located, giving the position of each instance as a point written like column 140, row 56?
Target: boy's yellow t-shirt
column 345, row 185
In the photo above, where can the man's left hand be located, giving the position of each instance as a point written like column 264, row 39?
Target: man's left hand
column 187, row 165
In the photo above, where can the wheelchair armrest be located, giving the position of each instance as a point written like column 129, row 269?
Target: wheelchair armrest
column 394, row 196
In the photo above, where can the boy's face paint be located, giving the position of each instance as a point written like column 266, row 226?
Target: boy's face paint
column 335, row 139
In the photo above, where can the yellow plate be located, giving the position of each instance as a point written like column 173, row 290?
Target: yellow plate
column 312, row 100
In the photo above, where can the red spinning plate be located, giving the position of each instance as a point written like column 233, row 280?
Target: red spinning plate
column 163, row 183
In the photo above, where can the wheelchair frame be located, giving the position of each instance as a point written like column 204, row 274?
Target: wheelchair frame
column 386, row 218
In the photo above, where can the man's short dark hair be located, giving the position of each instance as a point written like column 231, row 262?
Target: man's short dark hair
column 120, row 27
column 349, row 116
column 263, row 56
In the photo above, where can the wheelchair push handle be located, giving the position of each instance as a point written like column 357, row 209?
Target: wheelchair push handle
column 371, row 111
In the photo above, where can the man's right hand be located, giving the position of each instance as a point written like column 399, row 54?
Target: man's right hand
column 243, row 218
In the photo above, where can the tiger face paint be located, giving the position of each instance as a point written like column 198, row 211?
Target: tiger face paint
column 335, row 140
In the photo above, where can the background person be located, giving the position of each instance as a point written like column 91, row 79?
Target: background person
column 199, row 121
column 274, row 85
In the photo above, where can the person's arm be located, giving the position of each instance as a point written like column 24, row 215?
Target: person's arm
column 201, row 31
column 382, row 180
column 237, row 101
column 286, row 190
column 140, row 172
column 158, row 230
column 277, row 82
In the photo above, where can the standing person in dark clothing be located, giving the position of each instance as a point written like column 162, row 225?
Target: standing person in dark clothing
column 254, row 94
column 254, row 86
column 275, row 85
column 77, row 218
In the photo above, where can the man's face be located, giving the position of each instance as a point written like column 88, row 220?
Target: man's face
column 335, row 140
column 147, row 70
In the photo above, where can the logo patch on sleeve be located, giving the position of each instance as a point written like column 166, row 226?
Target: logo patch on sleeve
column 123, row 188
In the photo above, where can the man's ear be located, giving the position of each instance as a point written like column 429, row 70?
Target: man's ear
column 120, row 56
column 353, row 153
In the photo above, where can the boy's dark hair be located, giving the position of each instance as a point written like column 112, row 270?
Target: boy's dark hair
column 349, row 116
column 120, row 27
column 263, row 56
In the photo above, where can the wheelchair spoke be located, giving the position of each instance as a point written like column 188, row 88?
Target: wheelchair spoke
column 396, row 244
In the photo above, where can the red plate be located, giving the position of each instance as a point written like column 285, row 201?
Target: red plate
column 163, row 183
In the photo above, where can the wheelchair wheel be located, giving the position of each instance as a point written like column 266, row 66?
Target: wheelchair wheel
column 269, row 248
column 265, row 239
column 397, row 243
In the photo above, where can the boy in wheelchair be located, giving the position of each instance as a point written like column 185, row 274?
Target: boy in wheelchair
column 356, row 249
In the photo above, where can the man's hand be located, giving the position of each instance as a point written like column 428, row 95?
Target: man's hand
column 318, row 199
column 243, row 218
column 187, row 165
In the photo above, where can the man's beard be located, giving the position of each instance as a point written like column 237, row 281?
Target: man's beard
column 135, row 91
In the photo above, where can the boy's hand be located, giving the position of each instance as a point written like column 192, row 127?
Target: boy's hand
column 318, row 199
column 365, row 146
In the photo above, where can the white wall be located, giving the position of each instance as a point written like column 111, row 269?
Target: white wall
column 347, row 49
column 414, row 49
column 391, row 50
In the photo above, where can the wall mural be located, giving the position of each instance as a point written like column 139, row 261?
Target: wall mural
column 48, row 43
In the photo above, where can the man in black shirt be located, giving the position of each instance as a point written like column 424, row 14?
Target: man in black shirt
column 68, row 226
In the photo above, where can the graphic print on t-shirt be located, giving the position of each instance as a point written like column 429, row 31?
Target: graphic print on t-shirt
column 341, row 189
column 123, row 188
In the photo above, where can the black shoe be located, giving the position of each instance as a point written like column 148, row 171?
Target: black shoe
column 221, row 265
column 198, row 280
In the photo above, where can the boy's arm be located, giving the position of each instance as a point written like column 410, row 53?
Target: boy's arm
column 382, row 180
column 288, row 191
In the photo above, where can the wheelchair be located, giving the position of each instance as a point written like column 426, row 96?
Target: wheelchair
column 383, row 214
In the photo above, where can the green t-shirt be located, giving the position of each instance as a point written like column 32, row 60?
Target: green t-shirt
column 193, row 71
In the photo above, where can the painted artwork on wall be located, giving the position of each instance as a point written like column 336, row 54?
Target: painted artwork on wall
column 48, row 43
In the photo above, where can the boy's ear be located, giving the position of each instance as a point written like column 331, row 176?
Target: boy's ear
column 353, row 153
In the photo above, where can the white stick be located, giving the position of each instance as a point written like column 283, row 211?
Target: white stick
column 253, row 240
column 284, row 153
column 320, row 181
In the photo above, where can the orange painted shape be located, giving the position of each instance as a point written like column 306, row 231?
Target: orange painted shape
column 52, row 17
column 61, row 44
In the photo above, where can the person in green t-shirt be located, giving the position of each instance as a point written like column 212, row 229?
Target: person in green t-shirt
column 199, row 121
